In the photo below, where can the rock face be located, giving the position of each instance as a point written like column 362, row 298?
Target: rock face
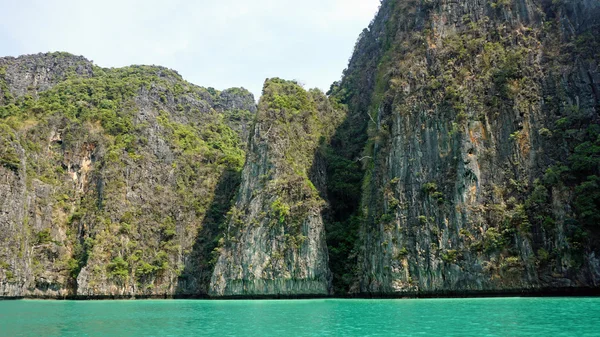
column 459, row 154
column 274, row 243
column 113, row 180
column 483, row 133
column 36, row 73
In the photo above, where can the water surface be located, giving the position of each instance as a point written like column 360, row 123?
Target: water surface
column 425, row 317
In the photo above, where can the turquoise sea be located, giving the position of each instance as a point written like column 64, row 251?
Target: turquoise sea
column 424, row 317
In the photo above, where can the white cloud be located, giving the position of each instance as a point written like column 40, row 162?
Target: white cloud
column 219, row 43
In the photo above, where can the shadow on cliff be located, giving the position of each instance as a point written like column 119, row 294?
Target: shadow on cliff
column 337, row 174
column 199, row 263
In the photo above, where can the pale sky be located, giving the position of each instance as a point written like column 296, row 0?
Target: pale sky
column 218, row 43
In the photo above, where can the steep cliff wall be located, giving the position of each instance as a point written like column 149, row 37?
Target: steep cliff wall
column 113, row 181
column 274, row 243
column 482, row 152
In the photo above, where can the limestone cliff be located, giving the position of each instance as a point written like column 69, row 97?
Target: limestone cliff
column 274, row 243
column 113, row 181
column 481, row 157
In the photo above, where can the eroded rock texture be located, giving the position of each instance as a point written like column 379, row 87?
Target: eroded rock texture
column 274, row 243
column 482, row 137
column 113, row 181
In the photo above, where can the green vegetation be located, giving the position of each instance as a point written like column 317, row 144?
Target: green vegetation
column 118, row 268
column 450, row 256
column 43, row 237
column 289, row 99
column 402, row 253
column 8, row 155
column 280, row 210
column 431, row 189
column 215, row 143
